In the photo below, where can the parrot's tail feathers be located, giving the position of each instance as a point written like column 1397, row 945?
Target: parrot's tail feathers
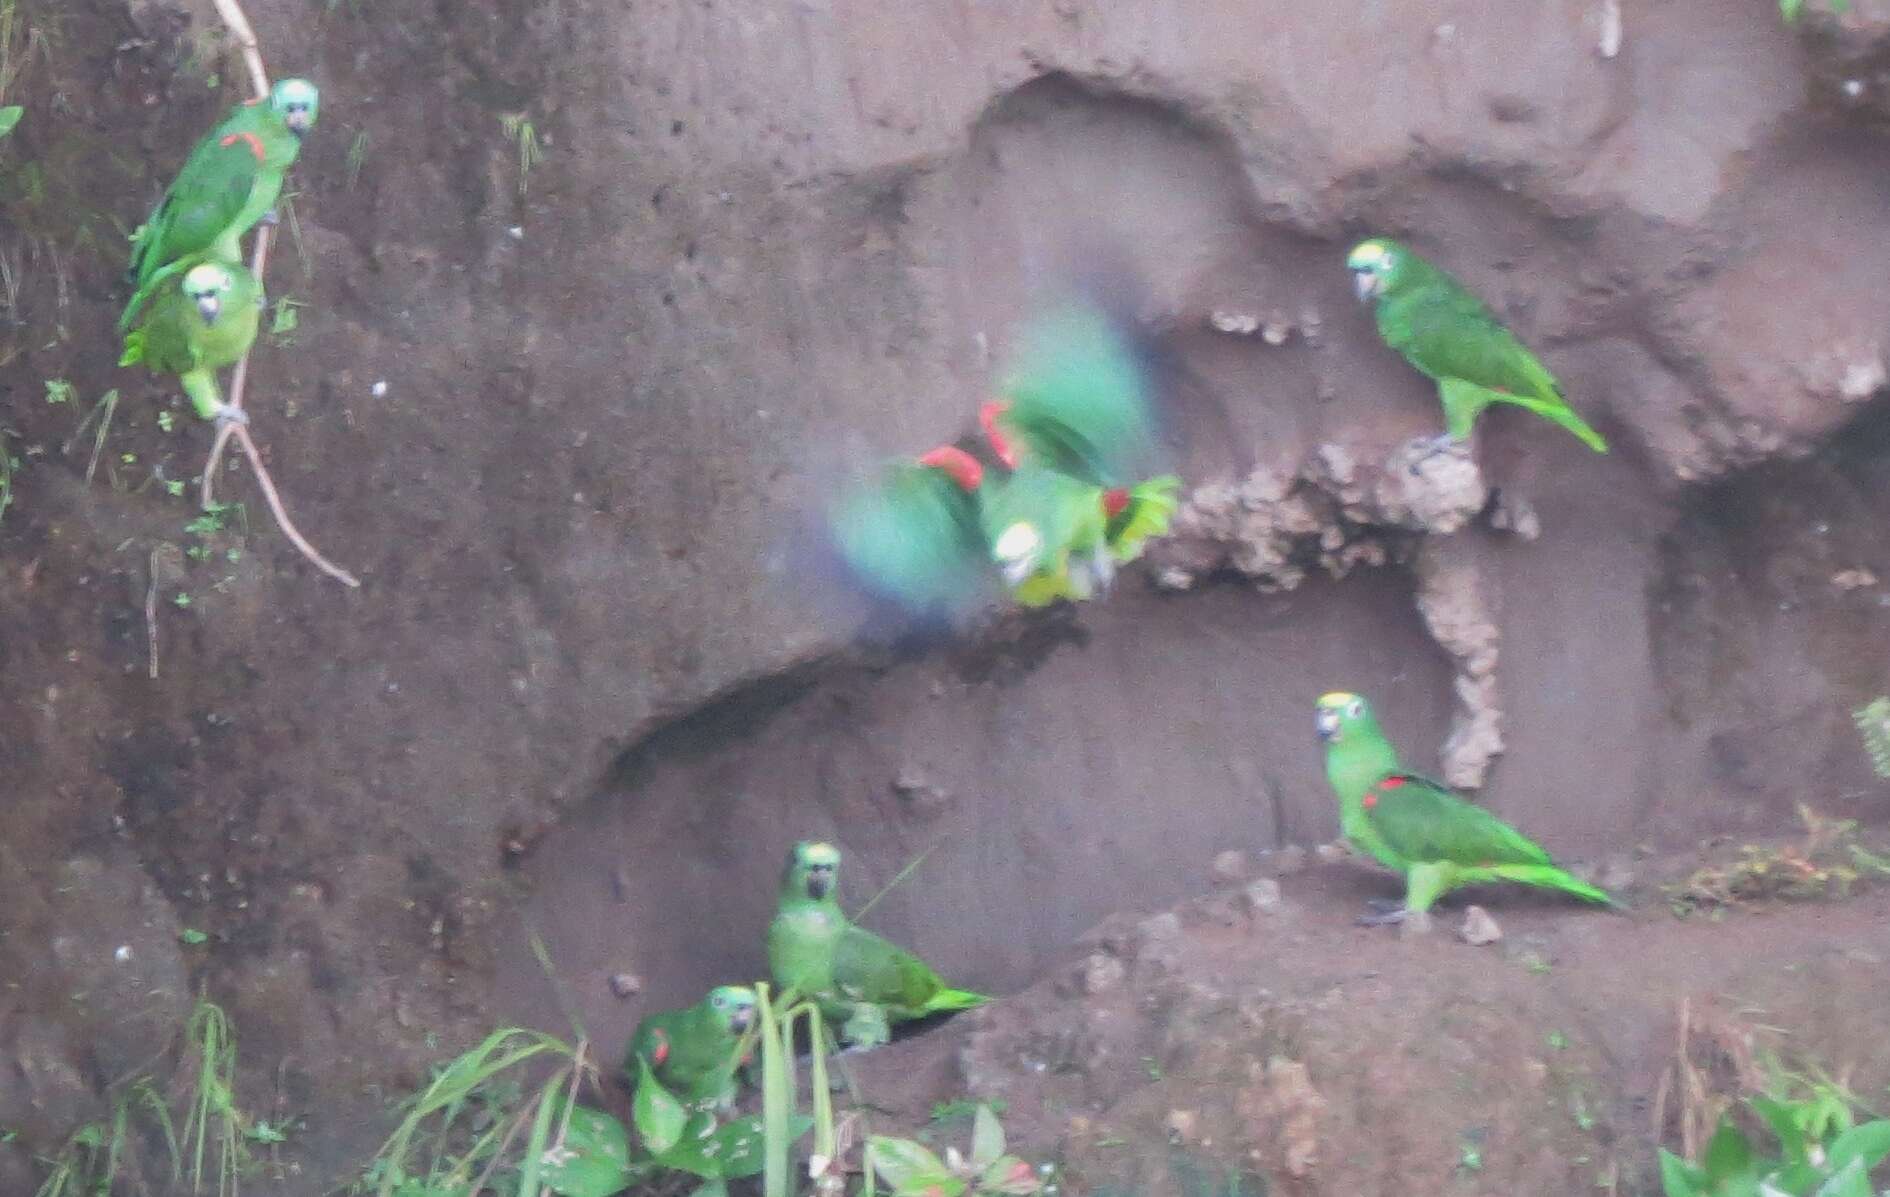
column 134, row 348
column 1151, row 506
column 955, row 999
column 1567, row 418
column 1557, row 411
column 1550, row 877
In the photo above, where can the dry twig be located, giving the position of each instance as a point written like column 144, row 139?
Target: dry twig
column 232, row 13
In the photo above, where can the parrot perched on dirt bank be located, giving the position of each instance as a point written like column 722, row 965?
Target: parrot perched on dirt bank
column 1448, row 334
column 196, row 326
column 694, row 1052
column 1416, row 826
column 861, row 980
column 1073, row 427
column 230, row 181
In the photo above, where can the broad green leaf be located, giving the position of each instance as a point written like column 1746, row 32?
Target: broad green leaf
column 1727, row 1152
column 899, row 1161
column 1869, row 1143
column 595, row 1158
column 941, row 1184
column 729, row 1152
column 987, row 1138
column 1793, row 1180
column 1678, row 1178
column 1008, row 1174
column 1849, row 1181
column 9, row 117
column 659, row 1116
column 1783, row 1120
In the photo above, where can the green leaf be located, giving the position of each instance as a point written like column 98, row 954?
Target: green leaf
column 595, row 1159
column 1849, row 1181
column 1678, row 1178
column 1727, row 1153
column 1783, row 1120
column 900, row 1162
column 1008, row 1174
column 9, row 117
column 730, row 1152
column 659, row 1116
column 1869, row 1143
column 192, row 936
column 987, row 1138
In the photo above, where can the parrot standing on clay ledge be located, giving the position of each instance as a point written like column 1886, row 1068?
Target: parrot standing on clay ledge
column 1446, row 332
column 1416, row 826
column 862, row 981
column 694, row 1052
column 230, row 181
column 196, row 326
column 1073, row 426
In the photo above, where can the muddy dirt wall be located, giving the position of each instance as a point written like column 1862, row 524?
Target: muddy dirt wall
column 567, row 426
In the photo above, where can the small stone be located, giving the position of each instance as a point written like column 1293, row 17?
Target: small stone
column 1415, row 925
column 1158, row 928
column 1853, row 579
column 1262, row 896
column 1479, row 928
column 1331, row 853
column 1285, row 862
column 626, row 985
column 1230, row 867
column 1102, row 973
column 1182, row 1125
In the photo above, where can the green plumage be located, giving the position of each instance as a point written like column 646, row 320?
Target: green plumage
column 231, row 179
column 196, row 326
column 914, row 536
column 695, row 1052
column 1416, row 826
column 861, row 980
column 1447, row 333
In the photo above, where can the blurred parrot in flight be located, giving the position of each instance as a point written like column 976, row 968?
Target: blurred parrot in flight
column 230, row 181
column 1057, row 511
column 1446, row 332
column 694, row 1053
column 196, row 326
column 1416, row 826
column 861, row 981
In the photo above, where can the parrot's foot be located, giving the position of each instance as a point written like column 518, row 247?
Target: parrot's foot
column 270, row 218
column 1383, row 905
column 229, row 413
column 1436, row 446
column 1383, row 913
column 866, row 1027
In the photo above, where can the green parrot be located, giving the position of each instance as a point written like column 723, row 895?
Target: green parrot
column 1448, row 334
column 230, row 181
column 860, row 980
column 694, row 1052
column 1073, row 427
column 914, row 535
column 195, row 327
column 1416, row 826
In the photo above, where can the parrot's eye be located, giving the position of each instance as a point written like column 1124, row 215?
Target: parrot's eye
column 1354, row 709
column 720, row 1002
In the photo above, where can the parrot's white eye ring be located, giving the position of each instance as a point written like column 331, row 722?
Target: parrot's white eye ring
column 1355, row 708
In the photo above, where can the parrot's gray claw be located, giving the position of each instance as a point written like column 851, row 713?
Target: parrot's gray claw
column 1383, row 905
column 1440, row 444
column 1383, row 917
column 270, row 218
column 229, row 413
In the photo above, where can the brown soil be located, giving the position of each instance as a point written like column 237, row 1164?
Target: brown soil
column 595, row 681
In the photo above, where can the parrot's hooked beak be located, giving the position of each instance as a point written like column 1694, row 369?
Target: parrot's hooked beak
column 741, row 1019
column 1326, row 724
column 209, row 307
column 819, row 881
column 1365, row 284
column 297, row 119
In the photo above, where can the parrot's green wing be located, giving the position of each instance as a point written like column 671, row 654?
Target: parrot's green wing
column 1423, row 822
column 913, row 535
column 1066, row 511
column 1144, row 516
column 1077, row 396
column 1448, row 333
column 869, row 968
column 232, row 177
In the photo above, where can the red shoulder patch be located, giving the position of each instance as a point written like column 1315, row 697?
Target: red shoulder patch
column 988, row 413
column 250, row 139
column 1391, row 783
column 1114, row 501
column 662, row 1048
column 1369, row 800
column 960, row 466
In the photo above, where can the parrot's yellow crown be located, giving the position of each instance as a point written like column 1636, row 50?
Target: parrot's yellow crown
column 1336, row 698
column 819, row 851
column 1367, row 253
